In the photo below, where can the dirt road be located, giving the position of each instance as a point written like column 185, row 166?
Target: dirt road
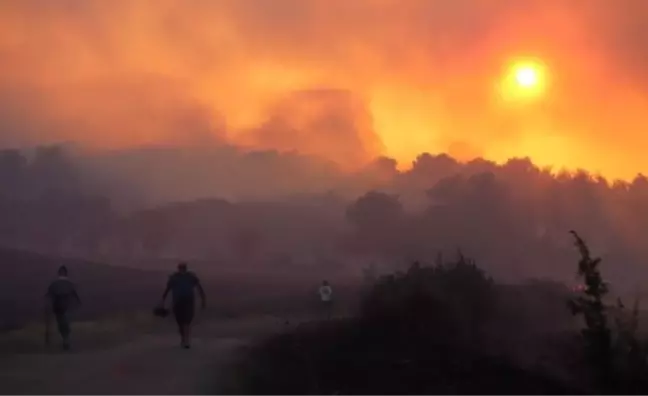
column 151, row 364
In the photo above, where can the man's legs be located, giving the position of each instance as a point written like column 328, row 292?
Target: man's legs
column 184, row 314
column 189, row 314
column 179, row 316
column 185, row 335
column 181, row 327
column 187, row 343
column 63, row 328
column 324, row 307
column 181, row 332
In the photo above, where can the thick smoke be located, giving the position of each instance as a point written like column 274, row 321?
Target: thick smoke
column 168, row 72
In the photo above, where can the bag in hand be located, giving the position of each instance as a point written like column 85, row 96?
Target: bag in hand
column 160, row 312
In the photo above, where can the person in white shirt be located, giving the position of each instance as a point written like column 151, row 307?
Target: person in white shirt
column 326, row 297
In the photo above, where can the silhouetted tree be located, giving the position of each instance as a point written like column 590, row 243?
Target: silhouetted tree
column 379, row 220
column 597, row 335
column 618, row 357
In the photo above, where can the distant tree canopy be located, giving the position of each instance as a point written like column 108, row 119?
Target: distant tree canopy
column 514, row 216
column 375, row 209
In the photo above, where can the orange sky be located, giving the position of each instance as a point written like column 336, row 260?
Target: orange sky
column 343, row 79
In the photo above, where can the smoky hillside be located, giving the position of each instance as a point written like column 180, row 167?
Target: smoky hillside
column 230, row 209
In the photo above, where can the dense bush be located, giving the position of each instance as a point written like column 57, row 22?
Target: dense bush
column 451, row 300
column 417, row 332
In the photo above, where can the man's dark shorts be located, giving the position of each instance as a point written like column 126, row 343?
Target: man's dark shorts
column 183, row 310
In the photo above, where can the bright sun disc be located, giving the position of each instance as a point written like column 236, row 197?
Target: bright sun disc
column 526, row 77
column 524, row 80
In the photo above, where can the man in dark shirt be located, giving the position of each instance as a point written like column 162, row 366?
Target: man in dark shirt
column 61, row 293
column 181, row 284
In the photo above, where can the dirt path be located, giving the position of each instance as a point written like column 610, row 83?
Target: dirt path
column 153, row 364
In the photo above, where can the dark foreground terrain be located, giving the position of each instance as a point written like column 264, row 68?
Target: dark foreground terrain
column 450, row 329
column 352, row 358
column 412, row 353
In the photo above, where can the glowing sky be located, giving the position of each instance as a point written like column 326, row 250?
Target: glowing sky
column 343, row 79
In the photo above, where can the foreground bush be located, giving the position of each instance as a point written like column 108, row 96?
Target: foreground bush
column 447, row 302
column 417, row 332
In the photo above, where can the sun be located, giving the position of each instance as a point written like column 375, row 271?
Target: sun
column 526, row 77
column 523, row 80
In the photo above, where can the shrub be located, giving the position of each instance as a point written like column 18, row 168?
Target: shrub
column 617, row 357
column 450, row 300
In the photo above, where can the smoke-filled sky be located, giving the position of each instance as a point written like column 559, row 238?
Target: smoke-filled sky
column 348, row 80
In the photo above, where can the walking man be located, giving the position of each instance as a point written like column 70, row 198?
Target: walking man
column 181, row 284
column 61, row 293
